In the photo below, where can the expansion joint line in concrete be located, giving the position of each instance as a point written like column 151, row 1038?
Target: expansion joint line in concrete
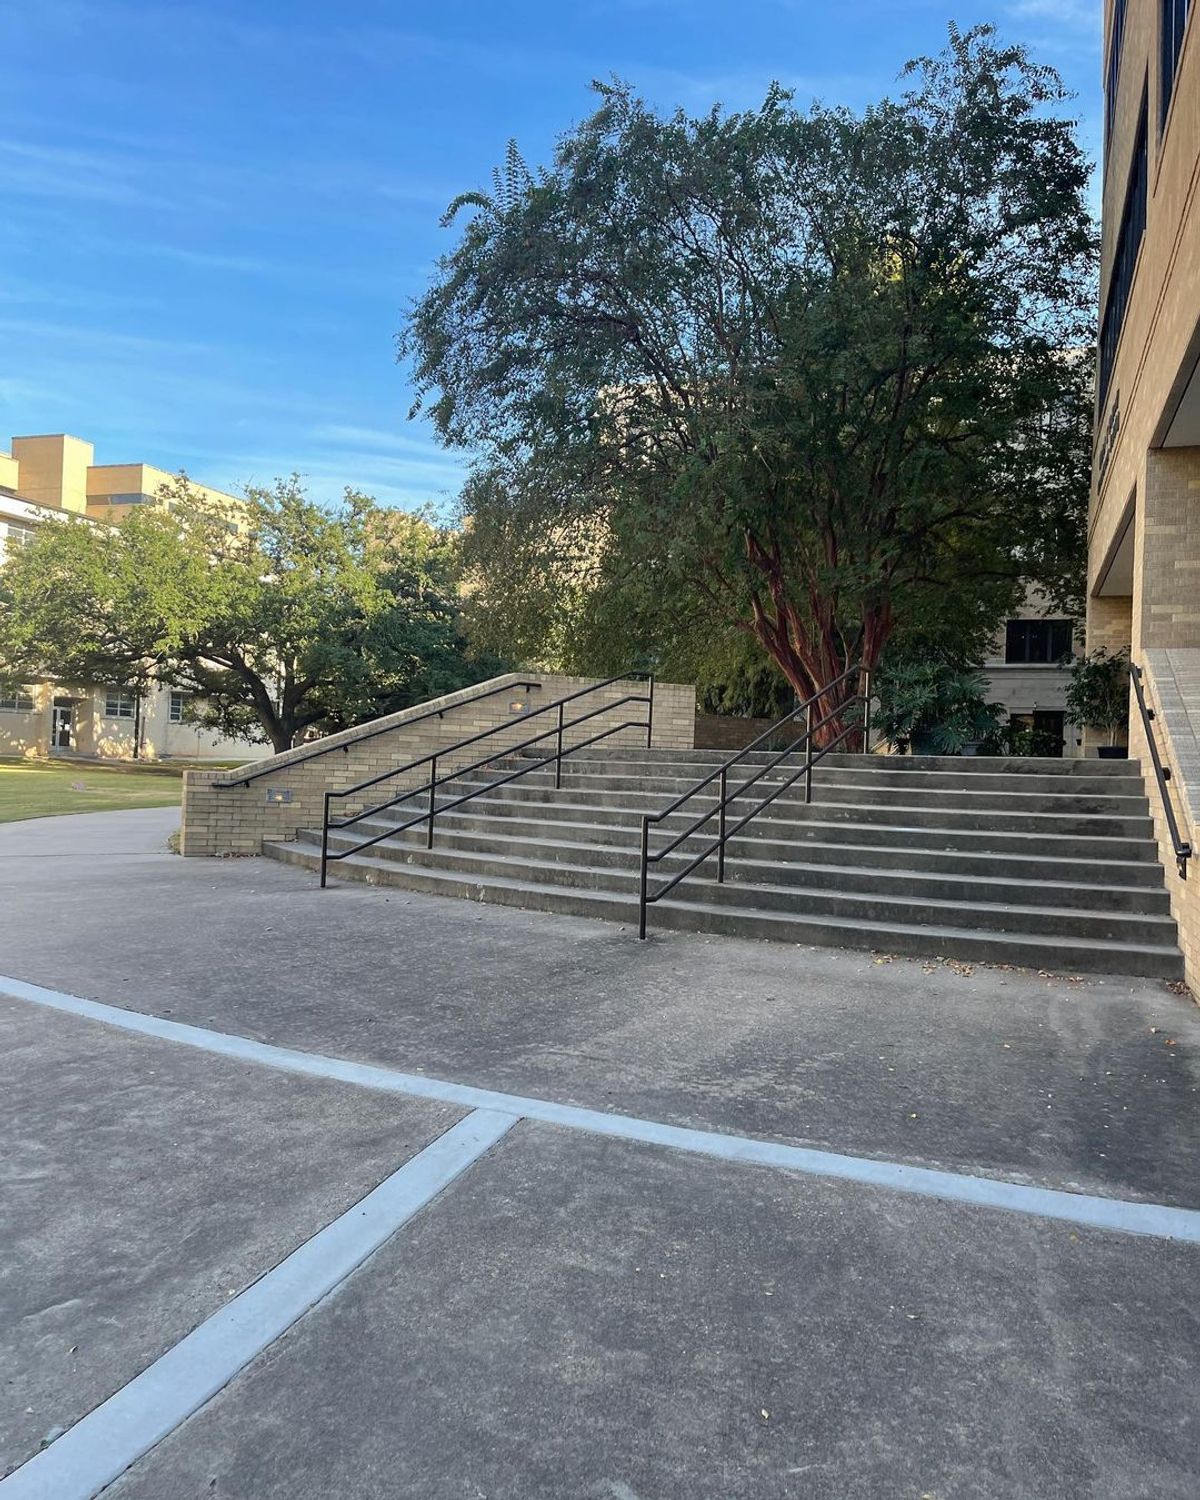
column 115, row 1434
column 1119, row 1215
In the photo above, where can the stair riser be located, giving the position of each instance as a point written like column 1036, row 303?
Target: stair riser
column 1140, row 869
column 931, row 815
column 741, row 867
column 679, row 778
column 1073, row 926
column 1072, row 803
column 965, row 765
column 624, row 828
column 867, row 825
column 1001, row 948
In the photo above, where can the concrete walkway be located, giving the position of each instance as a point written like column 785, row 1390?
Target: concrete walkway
column 745, row 1285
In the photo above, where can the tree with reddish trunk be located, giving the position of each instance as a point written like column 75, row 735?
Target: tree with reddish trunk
column 811, row 376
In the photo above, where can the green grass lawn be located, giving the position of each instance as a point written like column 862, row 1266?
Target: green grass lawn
column 42, row 789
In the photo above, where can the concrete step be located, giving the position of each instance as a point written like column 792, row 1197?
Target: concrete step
column 876, row 772
column 617, row 823
column 931, row 813
column 967, row 765
column 1139, row 866
column 746, row 920
column 904, row 907
column 1044, row 883
column 1062, row 798
column 1086, row 835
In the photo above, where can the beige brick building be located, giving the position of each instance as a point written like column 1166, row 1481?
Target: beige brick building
column 46, row 480
column 1144, row 523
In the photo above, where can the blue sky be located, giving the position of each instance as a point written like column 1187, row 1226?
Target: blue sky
column 215, row 211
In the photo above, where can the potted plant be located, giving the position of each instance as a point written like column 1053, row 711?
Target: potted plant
column 935, row 708
column 1098, row 697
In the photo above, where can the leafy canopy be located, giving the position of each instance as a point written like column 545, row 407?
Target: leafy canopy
column 292, row 617
column 813, row 376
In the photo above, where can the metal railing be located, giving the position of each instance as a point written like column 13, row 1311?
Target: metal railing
column 430, row 789
column 320, row 748
column 1162, row 774
column 720, row 810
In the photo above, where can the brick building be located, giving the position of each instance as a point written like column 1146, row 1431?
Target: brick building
column 48, row 479
column 1144, row 522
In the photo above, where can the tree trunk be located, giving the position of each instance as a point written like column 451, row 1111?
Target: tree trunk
column 809, row 666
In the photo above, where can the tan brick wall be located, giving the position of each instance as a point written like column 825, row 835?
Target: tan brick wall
column 221, row 816
column 1110, row 623
column 1159, row 339
column 1167, row 577
column 1172, row 687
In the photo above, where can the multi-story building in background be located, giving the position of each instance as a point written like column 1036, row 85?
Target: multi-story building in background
column 45, row 480
column 1144, row 523
column 1027, row 673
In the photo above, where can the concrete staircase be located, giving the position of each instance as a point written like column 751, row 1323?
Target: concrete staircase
column 1041, row 863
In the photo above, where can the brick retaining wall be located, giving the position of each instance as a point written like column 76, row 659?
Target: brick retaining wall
column 222, row 817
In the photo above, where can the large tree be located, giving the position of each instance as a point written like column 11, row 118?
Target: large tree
column 813, row 375
column 280, row 617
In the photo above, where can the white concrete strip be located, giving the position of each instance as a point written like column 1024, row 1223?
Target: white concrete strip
column 1117, row 1214
column 118, row 1432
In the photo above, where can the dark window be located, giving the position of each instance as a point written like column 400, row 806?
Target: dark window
column 175, row 708
column 1174, row 19
column 1038, row 641
column 1113, row 71
column 1129, row 241
column 118, row 704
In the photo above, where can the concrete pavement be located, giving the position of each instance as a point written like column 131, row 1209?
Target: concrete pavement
column 577, row 1316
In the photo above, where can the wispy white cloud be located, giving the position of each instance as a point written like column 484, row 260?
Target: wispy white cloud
column 30, row 170
column 80, row 335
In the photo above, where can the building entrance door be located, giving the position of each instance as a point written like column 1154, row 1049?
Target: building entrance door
column 62, row 725
column 1047, row 728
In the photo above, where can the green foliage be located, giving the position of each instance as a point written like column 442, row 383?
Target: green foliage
column 811, row 376
column 936, row 708
column 1020, row 740
column 1098, row 692
column 287, row 618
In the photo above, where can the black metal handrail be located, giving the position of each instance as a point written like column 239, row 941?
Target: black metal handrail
column 322, row 749
column 646, row 897
column 1162, row 774
column 434, row 808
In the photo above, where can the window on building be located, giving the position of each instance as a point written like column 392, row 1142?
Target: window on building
column 1173, row 20
column 16, row 703
column 18, row 536
column 1038, row 641
column 1113, row 71
column 175, row 707
column 118, row 704
column 1128, row 243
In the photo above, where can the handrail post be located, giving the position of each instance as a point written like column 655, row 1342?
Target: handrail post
column 324, row 840
column 866, row 691
column 808, row 753
column 558, row 756
column 432, row 801
column 650, row 715
column 642, row 881
column 721, row 829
